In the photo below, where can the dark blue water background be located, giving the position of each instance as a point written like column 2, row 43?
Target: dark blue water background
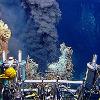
column 85, row 42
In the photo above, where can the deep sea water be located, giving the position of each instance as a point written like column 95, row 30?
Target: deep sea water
column 80, row 28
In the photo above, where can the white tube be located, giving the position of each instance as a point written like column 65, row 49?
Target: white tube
column 19, row 56
column 33, row 81
column 4, row 56
column 36, row 89
column 26, row 90
column 70, row 82
column 53, row 81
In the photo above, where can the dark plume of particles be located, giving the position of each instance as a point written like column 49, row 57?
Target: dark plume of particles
column 40, row 37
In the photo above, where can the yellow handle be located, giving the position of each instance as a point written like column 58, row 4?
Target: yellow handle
column 31, row 95
column 3, row 76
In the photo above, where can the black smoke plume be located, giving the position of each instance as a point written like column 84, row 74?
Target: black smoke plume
column 40, row 37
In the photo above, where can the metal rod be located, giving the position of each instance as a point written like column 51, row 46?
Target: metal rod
column 53, row 81
column 4, row 56
column 19, row 56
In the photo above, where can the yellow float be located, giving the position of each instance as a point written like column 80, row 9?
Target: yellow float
column 9, row 73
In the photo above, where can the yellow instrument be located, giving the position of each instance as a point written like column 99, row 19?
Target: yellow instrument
column 9, row 73
column 32, row 95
